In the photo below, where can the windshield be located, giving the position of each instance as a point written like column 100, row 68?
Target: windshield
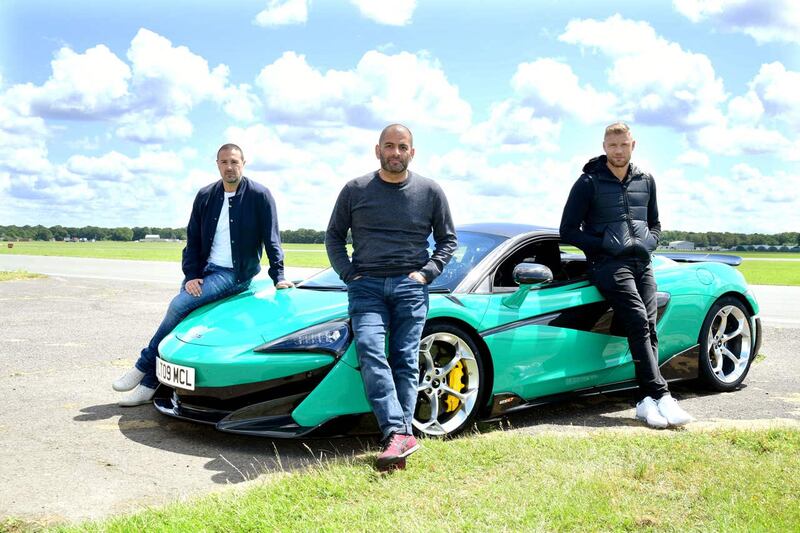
column 472, row 248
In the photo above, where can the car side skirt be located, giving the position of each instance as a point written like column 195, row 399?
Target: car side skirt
column 682, row 366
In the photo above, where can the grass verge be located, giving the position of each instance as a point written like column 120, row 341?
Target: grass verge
column 297, row 255
column 724, row 480
column 6, row 275
column 771, row 272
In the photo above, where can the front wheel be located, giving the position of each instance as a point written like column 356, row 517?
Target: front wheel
column 451, row 381
column 726, row 345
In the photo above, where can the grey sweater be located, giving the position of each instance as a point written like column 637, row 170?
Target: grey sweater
column 390, row 224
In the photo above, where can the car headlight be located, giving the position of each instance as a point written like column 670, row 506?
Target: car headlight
column 332, row 337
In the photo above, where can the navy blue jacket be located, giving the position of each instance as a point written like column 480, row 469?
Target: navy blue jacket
column 253, row 223
column 604, row 216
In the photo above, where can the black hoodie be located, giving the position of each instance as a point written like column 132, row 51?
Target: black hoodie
column 604, row 216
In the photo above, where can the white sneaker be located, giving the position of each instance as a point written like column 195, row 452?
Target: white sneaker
column 647, row 410
column 128, row 380
column 669, row 409
column 140, row 396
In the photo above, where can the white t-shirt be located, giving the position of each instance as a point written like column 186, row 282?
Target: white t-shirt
column 221, row 246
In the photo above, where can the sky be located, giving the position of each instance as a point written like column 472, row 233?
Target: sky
column 111, row 112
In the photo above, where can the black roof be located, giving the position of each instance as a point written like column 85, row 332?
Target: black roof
column 504, row 229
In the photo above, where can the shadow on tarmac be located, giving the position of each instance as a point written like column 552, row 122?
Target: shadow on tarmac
column 231, row 458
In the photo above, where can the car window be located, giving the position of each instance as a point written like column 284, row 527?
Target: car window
column 565, row 262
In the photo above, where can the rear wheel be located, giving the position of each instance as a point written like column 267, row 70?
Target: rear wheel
column 726, row 345
column 451, row 381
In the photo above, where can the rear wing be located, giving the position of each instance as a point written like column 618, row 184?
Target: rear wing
column 732, row 260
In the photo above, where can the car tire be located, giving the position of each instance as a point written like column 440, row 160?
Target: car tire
column 726, row 345
column 452, row 382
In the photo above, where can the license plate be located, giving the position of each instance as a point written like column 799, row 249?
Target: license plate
column 173, row 375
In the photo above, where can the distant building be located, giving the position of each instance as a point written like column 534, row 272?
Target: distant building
column 152, row 237
column 681, row 245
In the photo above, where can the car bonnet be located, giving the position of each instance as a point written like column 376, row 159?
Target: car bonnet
column 260, row 315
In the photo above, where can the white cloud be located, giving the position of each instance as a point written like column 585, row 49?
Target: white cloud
column 746, row 109
column 240, row 103
column 738, row 140
column 147, row 127
column 744, row 172
column 382, row 88
column 294, row 89
column 144, row 190
column 658, row 81
column 770, row 21
column 172, row 78
column 779, row 90
column 694, row 199
column 545, row 92
column 150, row 99
column 283, row 12
column 265, row 150
column 23, row 148
column 694, row 158
column 119, row 168
column 513, row 128
column 530, row 192
column 754, row 120
column 394, row 13
column 553, row 89
column 89, row 85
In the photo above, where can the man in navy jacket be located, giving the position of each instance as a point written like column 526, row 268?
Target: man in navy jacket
column 612, row 215
column 232, row 219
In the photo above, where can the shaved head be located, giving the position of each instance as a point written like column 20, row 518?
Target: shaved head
column 396, row 127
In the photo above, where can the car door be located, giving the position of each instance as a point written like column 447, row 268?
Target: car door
column 552, row 338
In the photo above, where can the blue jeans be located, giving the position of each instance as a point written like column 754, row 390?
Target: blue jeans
column 218, row 282
column 398, row 306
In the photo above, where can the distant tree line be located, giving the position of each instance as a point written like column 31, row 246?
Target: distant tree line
column 89, row 233
column 731, row 240
column 310, row 236
column 62, row 233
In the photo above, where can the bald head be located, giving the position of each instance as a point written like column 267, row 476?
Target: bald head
column 396, row 128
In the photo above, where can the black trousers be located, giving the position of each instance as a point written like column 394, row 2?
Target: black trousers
column 629, row 286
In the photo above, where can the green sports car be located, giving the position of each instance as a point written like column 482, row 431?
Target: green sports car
column 513, row 323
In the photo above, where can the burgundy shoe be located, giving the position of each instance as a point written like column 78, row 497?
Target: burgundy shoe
column 400, row 465
column 396, row 450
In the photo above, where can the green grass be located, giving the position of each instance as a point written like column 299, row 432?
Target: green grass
column 771, row 272
column 767, row 255
column 6, row 275
column 297, row 255
column 314, row 256
column 726, row 480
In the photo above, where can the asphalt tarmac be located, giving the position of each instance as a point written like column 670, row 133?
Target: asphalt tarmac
column 69, row 453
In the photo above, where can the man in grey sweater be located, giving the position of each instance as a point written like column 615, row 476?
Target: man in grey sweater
column 391, row 213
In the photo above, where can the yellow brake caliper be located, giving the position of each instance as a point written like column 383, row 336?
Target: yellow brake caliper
column 455, row 382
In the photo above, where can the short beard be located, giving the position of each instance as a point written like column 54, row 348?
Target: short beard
column 610, row 162
column 385, row 166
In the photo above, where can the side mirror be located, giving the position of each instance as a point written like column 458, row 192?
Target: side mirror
column 527, row 275
column 532, row 274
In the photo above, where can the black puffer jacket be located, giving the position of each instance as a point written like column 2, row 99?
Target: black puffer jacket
column 608, row 217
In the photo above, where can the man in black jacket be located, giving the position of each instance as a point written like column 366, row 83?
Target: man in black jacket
column 231, row 220
column 612, row 215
